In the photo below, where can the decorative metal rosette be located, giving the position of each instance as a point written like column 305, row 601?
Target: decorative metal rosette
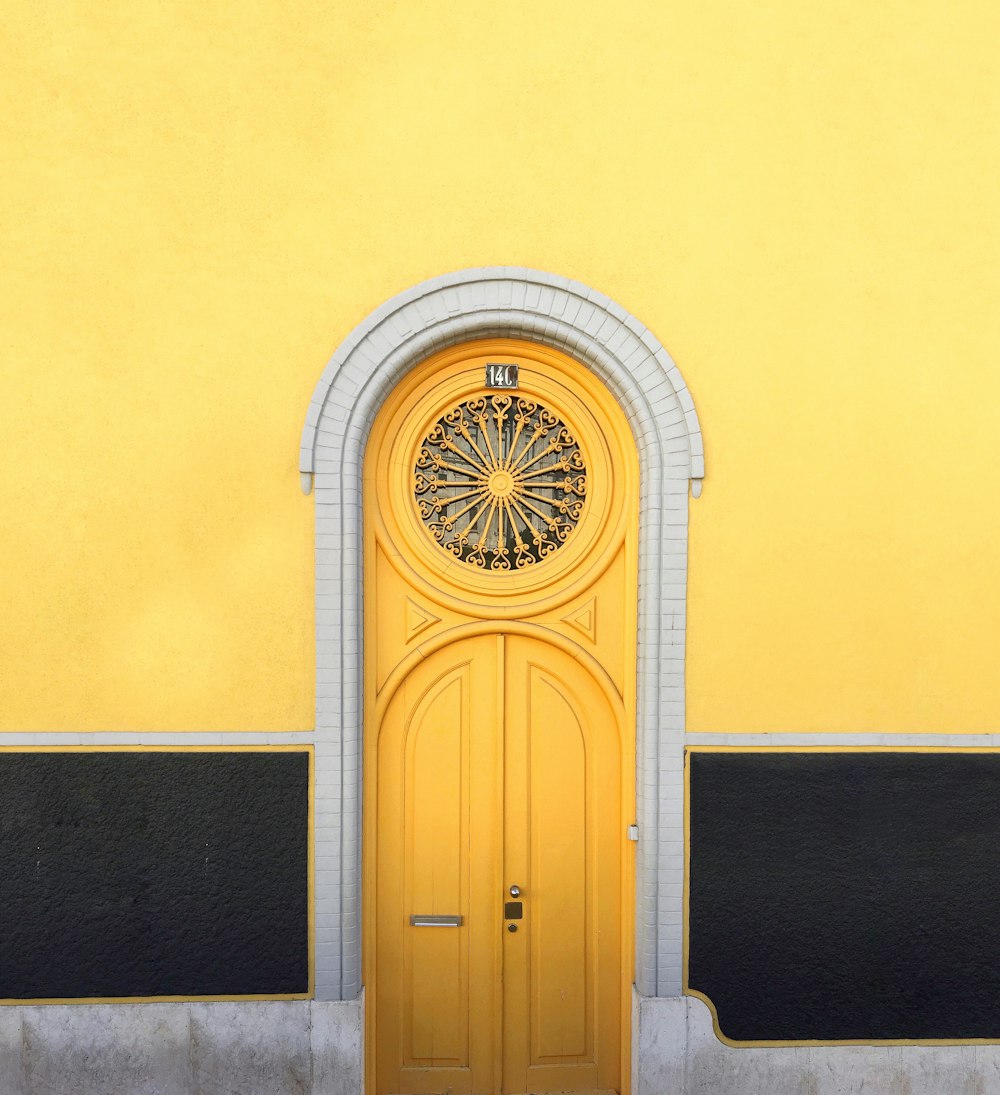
column 500, row 482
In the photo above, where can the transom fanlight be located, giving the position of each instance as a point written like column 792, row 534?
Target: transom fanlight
column 500, row 482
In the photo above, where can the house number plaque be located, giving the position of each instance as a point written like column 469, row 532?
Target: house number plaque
column 500, row 375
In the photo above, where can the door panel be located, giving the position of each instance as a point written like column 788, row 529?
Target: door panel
column 562, row 970
column 438, row 789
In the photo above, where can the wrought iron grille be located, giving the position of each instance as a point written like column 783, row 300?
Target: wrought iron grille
column 500, row 482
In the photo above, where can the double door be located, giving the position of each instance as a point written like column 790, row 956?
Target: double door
column 497, row 956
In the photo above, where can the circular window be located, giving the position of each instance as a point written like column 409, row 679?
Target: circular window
column 500, row 482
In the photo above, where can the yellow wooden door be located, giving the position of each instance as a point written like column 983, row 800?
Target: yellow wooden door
column 500, row 584
column 498, row 770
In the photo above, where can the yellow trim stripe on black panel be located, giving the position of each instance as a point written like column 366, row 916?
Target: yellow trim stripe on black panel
column 688, row 991
column 27, row 1001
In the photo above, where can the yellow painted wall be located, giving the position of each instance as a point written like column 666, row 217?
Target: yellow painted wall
column 199, row 200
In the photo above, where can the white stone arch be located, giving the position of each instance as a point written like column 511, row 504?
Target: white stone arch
column 509, row 302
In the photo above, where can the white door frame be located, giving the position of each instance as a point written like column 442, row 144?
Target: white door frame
column 504, row 302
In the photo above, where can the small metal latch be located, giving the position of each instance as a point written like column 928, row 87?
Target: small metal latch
column 633, row 832
column 436, row 921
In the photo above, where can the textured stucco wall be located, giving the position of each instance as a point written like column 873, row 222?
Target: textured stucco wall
column 200, row 201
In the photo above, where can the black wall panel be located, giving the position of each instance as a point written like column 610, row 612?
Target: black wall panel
column 153, row 874
column 846, row 896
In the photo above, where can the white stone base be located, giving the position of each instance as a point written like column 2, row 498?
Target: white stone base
column 315, row 1048
column 240, row 1048
column 677, row 1053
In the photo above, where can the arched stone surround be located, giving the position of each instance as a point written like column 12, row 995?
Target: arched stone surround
column 506, row 302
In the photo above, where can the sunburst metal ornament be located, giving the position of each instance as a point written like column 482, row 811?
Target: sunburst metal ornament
column 500, row 482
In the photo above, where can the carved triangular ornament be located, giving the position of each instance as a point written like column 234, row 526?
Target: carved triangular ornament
column 418, row 620
column 584, row 619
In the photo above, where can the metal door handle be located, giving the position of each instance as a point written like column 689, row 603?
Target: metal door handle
column 435, row 921
column 515, row 891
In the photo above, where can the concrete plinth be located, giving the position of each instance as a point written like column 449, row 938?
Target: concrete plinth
column 237, row 1048
column 678, row 1053
column 316, row 1048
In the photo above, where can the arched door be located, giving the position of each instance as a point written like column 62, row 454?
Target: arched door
column 500, row 660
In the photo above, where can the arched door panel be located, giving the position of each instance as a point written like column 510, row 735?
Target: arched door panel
column 562, row 847
column 438, row 839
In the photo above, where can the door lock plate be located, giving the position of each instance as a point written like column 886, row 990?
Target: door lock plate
column 513, row 910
